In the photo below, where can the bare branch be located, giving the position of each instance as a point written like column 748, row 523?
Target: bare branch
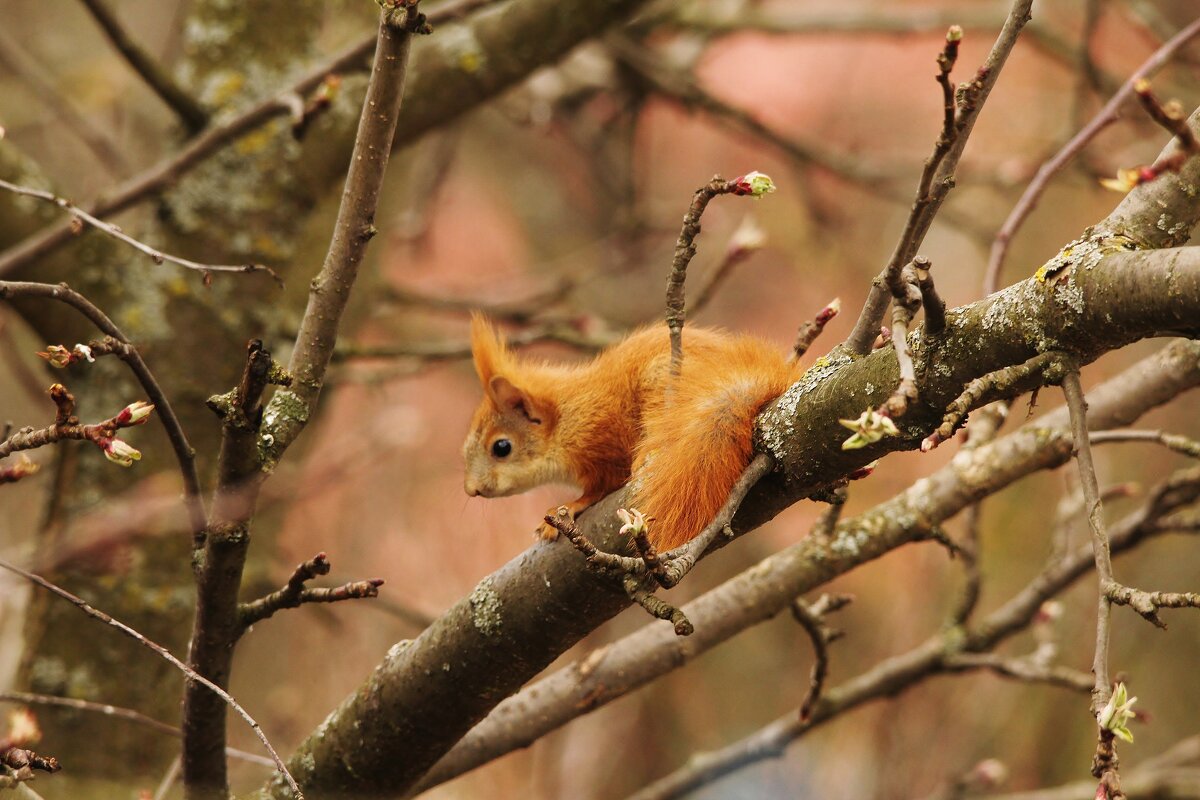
column 770, row 586
column 117, row 712
column 166, row 655
column 1105, row 117
column 29, row 69
column 112, row 230
column 295, row 593
column 190, row 112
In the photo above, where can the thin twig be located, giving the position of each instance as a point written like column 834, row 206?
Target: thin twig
column 165, row 655
column 295, row 593
column 1022, row 669
column 169, row 778
column 1173, row 441
column 190, row 112
column 1048, row 365
column 812, row 619
column 1105, row 117
column 1100, row 545
column 156, row 255
column 1104, row 762
column 117, row 712
column 685, row 250
column 937, row 178
column 184, row 453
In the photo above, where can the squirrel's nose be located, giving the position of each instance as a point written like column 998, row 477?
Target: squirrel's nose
column 471, row 489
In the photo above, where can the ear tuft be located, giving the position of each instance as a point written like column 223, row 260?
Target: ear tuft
column 487, row 349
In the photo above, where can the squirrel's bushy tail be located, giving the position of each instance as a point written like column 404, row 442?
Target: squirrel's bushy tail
column 698, row 434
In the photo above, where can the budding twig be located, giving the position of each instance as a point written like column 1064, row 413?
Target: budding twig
column 811, row 329
column 184, row 453
column 66, row 425
column 753, row 184
column 1105, row 117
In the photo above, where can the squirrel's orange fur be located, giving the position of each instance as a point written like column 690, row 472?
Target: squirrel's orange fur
column 684, row 440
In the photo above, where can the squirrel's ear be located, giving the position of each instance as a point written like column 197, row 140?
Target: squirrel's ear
column 487, row 349
column 506, row 395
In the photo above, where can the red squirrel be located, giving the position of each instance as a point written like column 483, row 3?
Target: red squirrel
column 684, row 440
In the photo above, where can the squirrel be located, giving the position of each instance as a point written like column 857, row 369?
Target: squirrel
column 684, row 440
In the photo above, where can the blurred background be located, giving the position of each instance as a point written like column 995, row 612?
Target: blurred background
column 559, row 202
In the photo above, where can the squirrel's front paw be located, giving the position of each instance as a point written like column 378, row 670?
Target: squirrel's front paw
column 547, row 532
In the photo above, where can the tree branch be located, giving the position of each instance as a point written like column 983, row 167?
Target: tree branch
column 190, row 112
column 184, row 453
column 761, row 592
column 193, row 677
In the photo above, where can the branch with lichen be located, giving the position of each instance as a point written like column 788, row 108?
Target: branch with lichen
column 956, row 651
column 443, row 91
column 761, row 592
column 1047, row 367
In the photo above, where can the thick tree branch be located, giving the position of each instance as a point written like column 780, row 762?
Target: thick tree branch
column 1103, row 302
column 771, row 585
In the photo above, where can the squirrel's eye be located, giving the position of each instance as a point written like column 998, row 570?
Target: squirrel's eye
column 501, row 448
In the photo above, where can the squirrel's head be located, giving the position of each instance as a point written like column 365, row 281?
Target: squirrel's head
column 510, row 446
